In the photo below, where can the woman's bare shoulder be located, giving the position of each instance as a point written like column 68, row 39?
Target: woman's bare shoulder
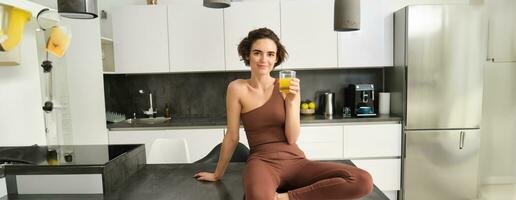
column 237, row 86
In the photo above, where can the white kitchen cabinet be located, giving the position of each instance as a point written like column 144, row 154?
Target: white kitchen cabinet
column 307, row 33
column 321, row 142
column 3, row 187
column 243, row 137
column 318, row 142
column 386, row 173
column 502, row 30
column 140, row 36
column 196, row 37
column 377, row 149
column 372, row 45
column 200, row 141
column 242, row 17
column 372, row 140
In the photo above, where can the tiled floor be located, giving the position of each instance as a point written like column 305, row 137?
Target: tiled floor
column 498, row 192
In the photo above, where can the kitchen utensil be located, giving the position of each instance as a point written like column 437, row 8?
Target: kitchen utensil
column 327, row 103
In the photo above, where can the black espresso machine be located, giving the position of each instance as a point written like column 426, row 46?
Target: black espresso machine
column 360, row 99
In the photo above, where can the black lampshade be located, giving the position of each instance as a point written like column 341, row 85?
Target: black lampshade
column 77, row 9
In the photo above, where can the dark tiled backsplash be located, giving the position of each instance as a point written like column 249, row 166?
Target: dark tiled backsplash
column 203, row 94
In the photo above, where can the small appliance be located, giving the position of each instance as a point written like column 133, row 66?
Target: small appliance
column 360, row 99
column 327, row 103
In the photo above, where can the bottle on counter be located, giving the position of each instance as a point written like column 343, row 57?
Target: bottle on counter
column 167, row 111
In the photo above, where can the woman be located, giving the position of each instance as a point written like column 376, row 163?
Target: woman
column 271, row 122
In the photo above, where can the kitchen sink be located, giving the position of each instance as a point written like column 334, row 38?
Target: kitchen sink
column 156, row 120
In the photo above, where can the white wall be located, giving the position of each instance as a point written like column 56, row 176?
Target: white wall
column 83, row 61
column 498, row 126
column 498, row 139
column 21, row 115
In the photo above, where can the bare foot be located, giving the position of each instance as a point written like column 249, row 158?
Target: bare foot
column 282, row 196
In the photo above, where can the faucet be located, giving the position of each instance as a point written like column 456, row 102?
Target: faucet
column 150, row 112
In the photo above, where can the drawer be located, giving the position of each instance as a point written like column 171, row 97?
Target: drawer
column 322, row 150
column 321, row 142
column 386, row 173
column 376, row 140
column 320, row 134
column 318, row 143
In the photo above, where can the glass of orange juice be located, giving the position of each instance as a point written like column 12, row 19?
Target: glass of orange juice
column 285, row 76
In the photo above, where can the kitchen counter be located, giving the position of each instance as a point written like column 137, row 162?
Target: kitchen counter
column 175, row 181
column 112, row 164
column 186, row 122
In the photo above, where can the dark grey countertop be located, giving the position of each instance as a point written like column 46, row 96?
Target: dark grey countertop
column 175, row 181
column 25, row 160
column 185, row 122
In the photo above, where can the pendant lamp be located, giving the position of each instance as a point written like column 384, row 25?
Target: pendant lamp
column 77, row 9
column 216, row 3
column 346, row 15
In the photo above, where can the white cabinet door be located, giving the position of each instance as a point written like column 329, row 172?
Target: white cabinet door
column 242, row 17
column 200, row 141
column 3, row 188
column 372, row 44
column 307, row 33
column 502, row 30
column 321, row 142
column 140, row 38
column 243, row 137
column 386, row 173
column 196, row 37
column 372, row 140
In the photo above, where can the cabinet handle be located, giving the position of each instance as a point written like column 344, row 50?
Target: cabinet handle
column 462, row 138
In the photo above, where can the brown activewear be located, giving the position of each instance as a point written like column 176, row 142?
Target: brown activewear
column 274, row 164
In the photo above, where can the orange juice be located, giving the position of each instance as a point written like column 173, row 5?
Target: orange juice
column 284, row 83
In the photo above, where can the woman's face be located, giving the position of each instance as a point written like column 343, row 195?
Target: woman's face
column 262, row 56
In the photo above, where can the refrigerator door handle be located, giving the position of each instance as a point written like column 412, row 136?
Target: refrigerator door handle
column 462, row 138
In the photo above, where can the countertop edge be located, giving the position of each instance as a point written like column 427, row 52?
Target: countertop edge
column 304, row 123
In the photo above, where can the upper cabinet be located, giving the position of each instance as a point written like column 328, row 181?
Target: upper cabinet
column 196, row 37
column 185, row 36
column 242, row 17
column 139, row 33
column 307, row 33
column 372, row 45
column 502, row 30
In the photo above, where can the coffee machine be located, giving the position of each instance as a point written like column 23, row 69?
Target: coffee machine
column 360, row 99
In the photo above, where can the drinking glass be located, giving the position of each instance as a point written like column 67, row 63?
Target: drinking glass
column 285, row 76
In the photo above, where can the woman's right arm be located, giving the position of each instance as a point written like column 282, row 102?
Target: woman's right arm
column 231, row 137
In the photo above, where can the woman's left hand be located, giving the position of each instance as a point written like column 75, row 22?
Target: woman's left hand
column 293, row 90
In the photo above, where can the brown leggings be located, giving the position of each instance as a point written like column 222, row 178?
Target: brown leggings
column 304, row 179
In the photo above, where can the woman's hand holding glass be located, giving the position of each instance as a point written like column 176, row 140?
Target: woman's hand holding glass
column 289, row 84
column 293, row 90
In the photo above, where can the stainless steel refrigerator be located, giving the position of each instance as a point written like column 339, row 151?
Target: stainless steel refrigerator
column 436, row 85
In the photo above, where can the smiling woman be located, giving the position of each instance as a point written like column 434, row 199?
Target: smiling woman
column 244, row 48
column 272, row 125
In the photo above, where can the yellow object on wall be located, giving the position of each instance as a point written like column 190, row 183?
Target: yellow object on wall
column 58, row 41
column 12, row 35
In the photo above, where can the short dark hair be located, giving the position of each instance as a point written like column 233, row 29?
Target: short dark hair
column 244, row 48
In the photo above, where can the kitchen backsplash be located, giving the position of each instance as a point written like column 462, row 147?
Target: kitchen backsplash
column 203, row 94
